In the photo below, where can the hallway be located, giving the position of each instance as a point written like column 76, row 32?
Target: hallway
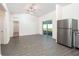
column 36, row 45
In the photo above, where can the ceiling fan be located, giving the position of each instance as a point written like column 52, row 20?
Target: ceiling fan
column 32, row 8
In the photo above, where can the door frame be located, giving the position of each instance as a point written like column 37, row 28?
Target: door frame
column 47, row 27
column 14, row 27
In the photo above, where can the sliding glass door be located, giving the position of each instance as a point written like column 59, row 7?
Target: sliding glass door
column 47, row 28
column 44, row 29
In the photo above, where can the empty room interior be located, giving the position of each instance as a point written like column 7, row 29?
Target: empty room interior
column 39, row 29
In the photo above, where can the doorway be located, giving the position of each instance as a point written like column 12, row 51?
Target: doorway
column 15, row 28
column 47, row 28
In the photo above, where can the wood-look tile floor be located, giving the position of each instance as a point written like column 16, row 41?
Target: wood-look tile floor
column 36, row 45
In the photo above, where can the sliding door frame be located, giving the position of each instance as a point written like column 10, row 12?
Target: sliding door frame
column 46, row 27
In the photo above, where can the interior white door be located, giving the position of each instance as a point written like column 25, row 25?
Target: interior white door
column 1, row 28
column 1, row 31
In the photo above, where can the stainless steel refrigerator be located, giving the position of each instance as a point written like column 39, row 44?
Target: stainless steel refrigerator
column 65, row 30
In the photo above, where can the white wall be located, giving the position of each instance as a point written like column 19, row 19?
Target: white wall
column 71, row 11
column 49, row 16
column 59, row 10
column 28, row 24
column 11, row 27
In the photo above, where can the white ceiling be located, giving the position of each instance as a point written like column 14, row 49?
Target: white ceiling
column 44, row 8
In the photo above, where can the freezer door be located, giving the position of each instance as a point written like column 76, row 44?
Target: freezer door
column 64, row 37
column 64, row 24
column 75, row 25
column 77, row 40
